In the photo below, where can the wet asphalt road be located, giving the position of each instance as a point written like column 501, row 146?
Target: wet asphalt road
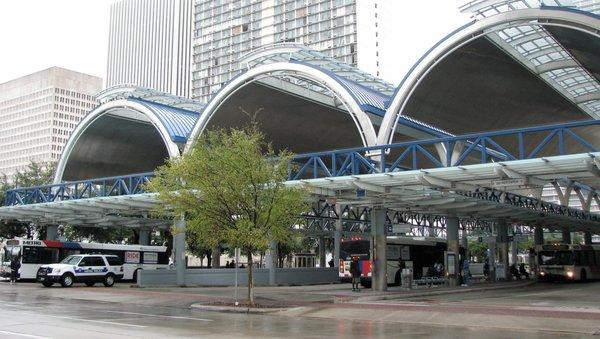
column 30, row 315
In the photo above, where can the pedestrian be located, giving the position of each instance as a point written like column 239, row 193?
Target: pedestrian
column 331, row 263
column 355, row 272
column 466, row 272
column 514, row 272
column 227, row 264
column 232, row 265
column 15, row 265
column 486, row 269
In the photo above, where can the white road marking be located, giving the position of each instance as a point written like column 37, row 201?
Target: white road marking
column 88, row 320
column 160, row 316
column 23, row 335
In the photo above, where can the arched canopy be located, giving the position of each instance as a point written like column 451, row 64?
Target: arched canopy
column 270, row 75
column 484, row 76
column 124, row 136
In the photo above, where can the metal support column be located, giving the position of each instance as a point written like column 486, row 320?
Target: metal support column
column 322, row 261
column 52, row 232
column 271, row 262
column 179, row 248
column 452, row 266
column 587, row 238
column 144, row 238
column 566, row 236
column 337, row 236
column 538, row 235
column 379, row 271
column 502, row 244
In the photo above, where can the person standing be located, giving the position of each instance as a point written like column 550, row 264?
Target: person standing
column 355, row 272
column 15, row 265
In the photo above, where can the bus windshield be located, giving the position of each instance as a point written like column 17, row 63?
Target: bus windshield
column 351, row 248
column 556, row 258
column 71, row 260
column 7, row 253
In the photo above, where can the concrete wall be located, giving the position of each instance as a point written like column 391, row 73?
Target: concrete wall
column 226, row 277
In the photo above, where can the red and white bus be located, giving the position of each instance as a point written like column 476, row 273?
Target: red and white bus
column 417, row 253
column 34, row 253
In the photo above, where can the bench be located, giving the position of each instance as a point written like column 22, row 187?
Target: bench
column 429, row 282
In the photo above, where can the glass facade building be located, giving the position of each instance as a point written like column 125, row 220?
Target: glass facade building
column 225, row 30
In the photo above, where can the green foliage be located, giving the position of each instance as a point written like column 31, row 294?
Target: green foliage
column 35, row 174
column 230, row 188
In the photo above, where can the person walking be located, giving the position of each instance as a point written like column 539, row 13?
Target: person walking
column 15, row 265
column 355, row 273
column 466, row 272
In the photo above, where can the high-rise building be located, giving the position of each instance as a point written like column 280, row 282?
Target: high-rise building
column 38, row 112
column 150, row 45
column 592, row 6
column 347, row 30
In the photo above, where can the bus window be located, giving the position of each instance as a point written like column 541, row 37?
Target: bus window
column 31, row 255
column 555, row 258
column 48, row 255
column 163, row 258
column 150, row 257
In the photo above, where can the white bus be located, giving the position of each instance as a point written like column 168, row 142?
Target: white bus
column 34, row 253
column 568, row 262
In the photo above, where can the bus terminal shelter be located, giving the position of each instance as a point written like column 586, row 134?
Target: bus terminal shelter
column 426, row 158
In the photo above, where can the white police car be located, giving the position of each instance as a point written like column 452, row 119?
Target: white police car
column 86, row 268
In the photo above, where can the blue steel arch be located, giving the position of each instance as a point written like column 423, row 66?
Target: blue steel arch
column 177, row 121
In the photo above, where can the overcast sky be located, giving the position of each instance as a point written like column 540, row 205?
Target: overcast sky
column 37, row 34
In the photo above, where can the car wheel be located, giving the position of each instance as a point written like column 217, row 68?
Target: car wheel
column 583, row 276
column 89, row 283
column 67, row 280
column 47, row 284
column 109, row 280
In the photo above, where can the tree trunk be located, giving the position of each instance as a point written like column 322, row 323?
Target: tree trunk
column 250, row 280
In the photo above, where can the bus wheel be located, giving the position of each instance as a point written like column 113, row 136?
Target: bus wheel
column 66, row 280
column 583, row 276
column 109, row 280
column 47, row 284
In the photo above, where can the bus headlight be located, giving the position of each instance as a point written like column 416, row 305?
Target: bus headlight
column 542, row 273
column 570, row 274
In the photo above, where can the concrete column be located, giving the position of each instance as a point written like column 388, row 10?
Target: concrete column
column 587, row 238
column 452, row 225
column 144, row 237
column 52, row 232
column 379, row 269
column 538, row 235
column 464, row 242
column 337, row 236
column 514, row 250
column 271, row 262
column 566, row 236
column 179, row 248
column 322, row 261
column 216, row 257
column 502, row 244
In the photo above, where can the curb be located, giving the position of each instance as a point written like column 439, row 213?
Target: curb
column 431, row 293
column 234, row 309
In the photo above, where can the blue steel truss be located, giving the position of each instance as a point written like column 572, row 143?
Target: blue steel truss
column 479, row 148
column 75, row 190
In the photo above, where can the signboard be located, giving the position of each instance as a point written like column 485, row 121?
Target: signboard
column 395, row 252
column 150, row 257
column 32, row 243
column 401, row 228
column 509, row 182
column 132, row 257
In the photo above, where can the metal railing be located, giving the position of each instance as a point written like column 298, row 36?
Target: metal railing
column 477, row 148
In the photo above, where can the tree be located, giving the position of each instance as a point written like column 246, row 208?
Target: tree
column 35, row 174
column 230, row 187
